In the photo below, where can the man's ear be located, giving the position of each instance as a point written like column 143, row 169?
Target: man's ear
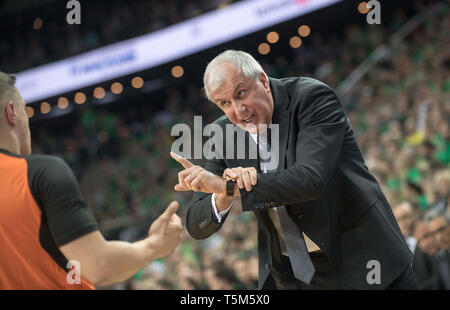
column 10, row 113
column 264, row 81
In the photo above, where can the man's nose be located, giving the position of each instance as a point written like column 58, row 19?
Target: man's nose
column 239, row 108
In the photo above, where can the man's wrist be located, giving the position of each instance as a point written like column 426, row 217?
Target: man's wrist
column 223, row 193
column 147, row 249
column 222, row 201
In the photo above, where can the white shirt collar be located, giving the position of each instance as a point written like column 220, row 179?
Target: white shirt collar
column 261, row 137
column 412, row 243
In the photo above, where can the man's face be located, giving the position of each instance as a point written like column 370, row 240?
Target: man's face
column 404, row 215
column 22, row 126
column 437, row 229
column 247, row 103
column 425, row 241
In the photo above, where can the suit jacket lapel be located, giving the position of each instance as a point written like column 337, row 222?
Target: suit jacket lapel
column 281, row 117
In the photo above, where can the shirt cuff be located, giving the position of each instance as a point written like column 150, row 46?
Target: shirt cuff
column 221, row 214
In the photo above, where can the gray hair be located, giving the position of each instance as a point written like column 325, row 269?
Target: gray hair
column 243, row 62
column 8, row 90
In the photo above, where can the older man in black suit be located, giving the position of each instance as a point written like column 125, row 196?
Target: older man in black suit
column 425, row 269
column 323, row 221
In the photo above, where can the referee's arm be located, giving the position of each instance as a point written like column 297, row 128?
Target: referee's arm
column 75, row 230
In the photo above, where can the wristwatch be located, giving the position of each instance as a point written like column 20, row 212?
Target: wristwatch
column 230, row 186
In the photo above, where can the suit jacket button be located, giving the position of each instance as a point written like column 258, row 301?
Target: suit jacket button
column 267, row 266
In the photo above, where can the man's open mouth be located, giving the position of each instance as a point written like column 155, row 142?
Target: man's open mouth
column 249, row 119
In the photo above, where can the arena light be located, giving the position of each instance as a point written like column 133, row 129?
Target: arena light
column 63, row 103
column 295, row 42
column 264, row 49
column 177, row 71
column 273, row 37
column 304, row 30
column 30, row 111
column 99, row 92
column 362, row 8
column 159, row 47
column 38, row 23
column 137, row 82
column 117, row 88
column 45, row 107
column 80, row 98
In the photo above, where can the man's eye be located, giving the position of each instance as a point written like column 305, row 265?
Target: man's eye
column 241, row 93
column 224, row 103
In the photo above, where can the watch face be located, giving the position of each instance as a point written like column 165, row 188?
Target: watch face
column 230, row 187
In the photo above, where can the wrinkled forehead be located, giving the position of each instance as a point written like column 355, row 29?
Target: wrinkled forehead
column 224, row 79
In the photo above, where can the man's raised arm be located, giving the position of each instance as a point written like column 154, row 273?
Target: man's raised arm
column 209, row 198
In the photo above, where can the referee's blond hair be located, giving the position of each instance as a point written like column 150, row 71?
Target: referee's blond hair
column 8, row 90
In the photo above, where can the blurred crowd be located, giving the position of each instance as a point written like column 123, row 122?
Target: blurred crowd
column 400, row 114
column 52, row 38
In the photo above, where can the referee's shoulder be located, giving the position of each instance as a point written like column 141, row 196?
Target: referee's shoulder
column 46, row 162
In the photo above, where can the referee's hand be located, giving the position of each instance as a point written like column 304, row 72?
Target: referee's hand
column 166, row 231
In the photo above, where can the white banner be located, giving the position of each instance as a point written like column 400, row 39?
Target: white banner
column 160, row 47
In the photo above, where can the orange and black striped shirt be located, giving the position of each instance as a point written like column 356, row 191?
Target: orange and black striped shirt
column 41, row 209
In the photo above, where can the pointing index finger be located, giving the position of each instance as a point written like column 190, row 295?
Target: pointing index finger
column 183, row 161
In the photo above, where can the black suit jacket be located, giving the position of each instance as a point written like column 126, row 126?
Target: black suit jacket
column 326, row 187
column 426, row 271
column 442, row 261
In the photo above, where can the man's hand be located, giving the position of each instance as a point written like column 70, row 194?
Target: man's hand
column 244, row 177
column 197, row 179
column 164, row 234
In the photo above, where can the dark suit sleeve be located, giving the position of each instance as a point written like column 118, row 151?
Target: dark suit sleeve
column 200, row 219
column 322, row 126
